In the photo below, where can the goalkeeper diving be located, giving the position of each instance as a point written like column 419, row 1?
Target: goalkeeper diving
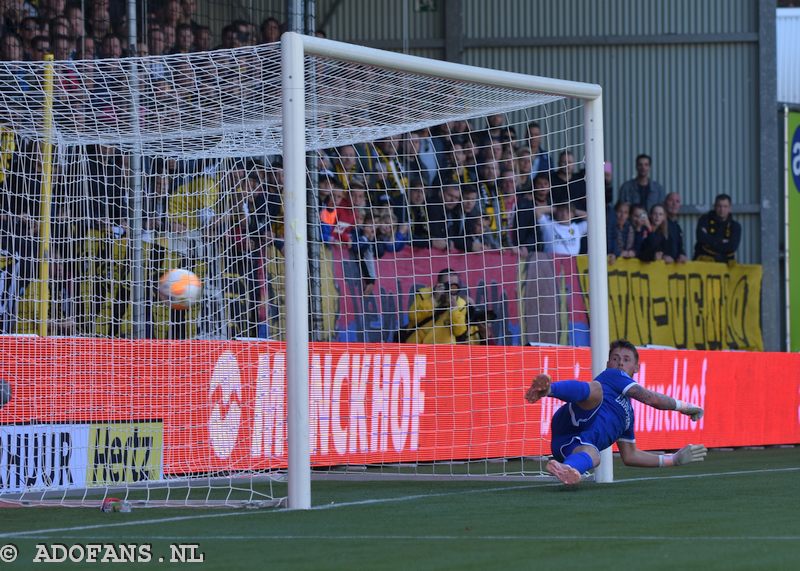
column 600, row 413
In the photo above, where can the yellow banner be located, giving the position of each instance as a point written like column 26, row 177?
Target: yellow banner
column 697, row 305
column 125, row 452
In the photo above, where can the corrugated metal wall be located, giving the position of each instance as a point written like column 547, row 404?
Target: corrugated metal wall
column 680, row 78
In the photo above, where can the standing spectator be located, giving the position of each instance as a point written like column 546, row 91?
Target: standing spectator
column 566, row 187
column 11, row 47
column 654, row 246
column 642, row 189
column 111, row 47
column 270, row 31
column 184, row 39
column 540, row 158
column 672, row 204
column 100, row 19
column 202, row 38
column 621, row 234
column 718, row 234
column 12, row 14
column 608, row 180
column 446, row 219
column 188, row 13
column 77, row 27
column 531, row 205
column 438, row 314
column 367, row 250
column 417, row 217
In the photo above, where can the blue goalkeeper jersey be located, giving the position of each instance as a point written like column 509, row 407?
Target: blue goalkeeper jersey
column 613, row 420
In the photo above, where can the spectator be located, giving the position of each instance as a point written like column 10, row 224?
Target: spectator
column 11, row 47
column 184, row 39
column 12, row 14
column 345, row 165
column 654, row 246
column 471, row 204
column 453, row 166
column 561, row 234
column 540, row 158
column 531, row 206
column 642, row 189
column 270, row 31
column 111, row 47
column 51, row 8
column 718, row 234
column 393, row 235
column 202, row 38
column 77, row 26
column 367, row 250
column 85, row 48
column 100, row 19
column 641, row 227
column 188, row 13
column 446, row 219
column 438, row 314
column 40, row 46
column 672, row 205
column 155, row 40
column 621, row 234
column 30, row 28
column 59, row 26
column 335, row 227
column 493, row 204
column 479, row 329
column 63, row 49
column 607, row 179
column 566, row 188
column 417, row 217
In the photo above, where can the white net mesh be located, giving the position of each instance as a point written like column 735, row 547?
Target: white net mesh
column 444, row 241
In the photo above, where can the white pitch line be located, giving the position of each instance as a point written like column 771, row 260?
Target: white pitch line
column 510, row 487
column 197, row 538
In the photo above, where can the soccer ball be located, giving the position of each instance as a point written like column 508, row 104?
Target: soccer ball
column 180, row 288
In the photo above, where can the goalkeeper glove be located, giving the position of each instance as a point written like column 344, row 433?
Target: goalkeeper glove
column 691, row 410
column 540, row 388
column 689, row 453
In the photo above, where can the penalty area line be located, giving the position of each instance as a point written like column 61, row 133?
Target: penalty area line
column 396, row 499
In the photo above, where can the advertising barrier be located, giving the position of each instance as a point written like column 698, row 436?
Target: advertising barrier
column 222, row 405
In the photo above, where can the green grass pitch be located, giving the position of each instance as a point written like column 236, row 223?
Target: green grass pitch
column 737, row 510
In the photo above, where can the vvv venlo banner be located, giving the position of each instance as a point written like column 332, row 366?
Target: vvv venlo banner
column 696, row 305
column 793, row 219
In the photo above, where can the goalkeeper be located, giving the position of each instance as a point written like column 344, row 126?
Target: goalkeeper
column 600, row 413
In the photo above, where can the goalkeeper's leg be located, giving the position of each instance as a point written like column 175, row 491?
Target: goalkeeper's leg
column 580, row 458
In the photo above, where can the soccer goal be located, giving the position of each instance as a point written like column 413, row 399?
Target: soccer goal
column 390, row 248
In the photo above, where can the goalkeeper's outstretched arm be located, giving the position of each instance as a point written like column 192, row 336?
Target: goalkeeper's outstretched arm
column 632, row 456
column 664, row 402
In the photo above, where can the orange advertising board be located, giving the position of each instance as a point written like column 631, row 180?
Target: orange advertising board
column 223, row 403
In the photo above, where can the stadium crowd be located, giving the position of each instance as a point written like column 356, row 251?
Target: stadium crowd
column 482, row 185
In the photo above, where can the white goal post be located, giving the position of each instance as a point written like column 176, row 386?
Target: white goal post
column 295, row 49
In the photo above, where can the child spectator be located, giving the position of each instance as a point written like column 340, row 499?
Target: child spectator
column 654, row 245
column 561, row 234
column 621, row 234
column 641, row 227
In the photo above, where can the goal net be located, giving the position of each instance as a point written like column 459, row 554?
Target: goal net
column 390, row 249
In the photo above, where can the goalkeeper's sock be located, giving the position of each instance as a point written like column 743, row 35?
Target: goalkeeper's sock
column 581, row 461
column 570, row 391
